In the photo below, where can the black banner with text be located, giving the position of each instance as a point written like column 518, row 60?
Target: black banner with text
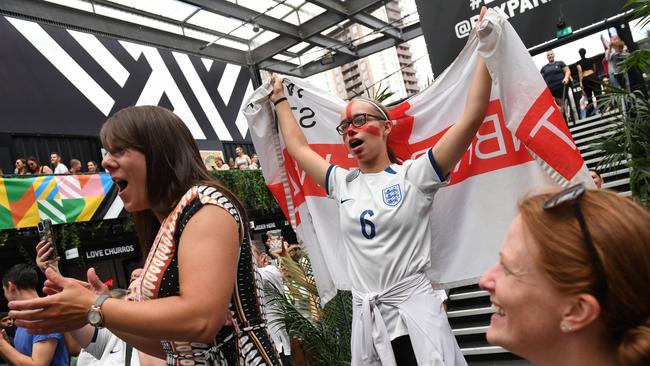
column 446, row 23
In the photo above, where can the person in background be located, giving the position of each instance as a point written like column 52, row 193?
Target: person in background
column 35, row 167
column 557, row 75
column 75, row 166
column 220, row 164
column 19, row 283
column 598, row 180
column 231, row 163
column 7, row 326
column 272, row 281
column 92, row 167
column 616, row 54
column 255, row 162
column 242, row 161
column 589, row 82
column 21, row 166
column 571, row 285
column 136, row 275
column 7, row 330
column 59, row 167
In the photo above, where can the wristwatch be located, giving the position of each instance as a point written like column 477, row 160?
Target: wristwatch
column 95, row 316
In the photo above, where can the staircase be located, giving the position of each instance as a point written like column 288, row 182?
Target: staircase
column 585, row 132
column 469, row 306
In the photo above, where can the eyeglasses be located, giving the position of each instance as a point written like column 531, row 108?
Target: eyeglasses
column 572, row 196
column 358, row 120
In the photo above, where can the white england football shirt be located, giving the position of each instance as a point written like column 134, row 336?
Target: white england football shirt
column 385, row 222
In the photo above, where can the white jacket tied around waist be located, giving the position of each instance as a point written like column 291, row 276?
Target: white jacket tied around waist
column 420, row 308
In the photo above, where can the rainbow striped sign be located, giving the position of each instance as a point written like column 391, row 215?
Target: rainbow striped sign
column 61, row 198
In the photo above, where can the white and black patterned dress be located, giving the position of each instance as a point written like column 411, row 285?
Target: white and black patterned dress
column 249, row 343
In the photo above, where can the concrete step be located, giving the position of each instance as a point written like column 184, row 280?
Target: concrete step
column 616, row 183
column 591, row 131
column 592, row 123
column 580, row 142
column 470, row 312
column 470, row 330
column 468, row 295
column 482, row 350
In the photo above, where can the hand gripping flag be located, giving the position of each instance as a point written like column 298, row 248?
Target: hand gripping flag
column 523, row 143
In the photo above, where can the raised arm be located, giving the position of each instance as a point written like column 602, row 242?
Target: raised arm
column 312, row 163
column 210, row 242
column 453, row 144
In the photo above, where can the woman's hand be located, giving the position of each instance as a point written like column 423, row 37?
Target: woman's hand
column 278, row 88
column 58, row 313
column 44, row 250
column 94, row 284
column 280, row 251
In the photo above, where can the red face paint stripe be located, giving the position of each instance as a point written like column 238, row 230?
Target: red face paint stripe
column 373, row 130
column 348, row 111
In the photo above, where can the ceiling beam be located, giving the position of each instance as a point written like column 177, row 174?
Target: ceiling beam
column 81, row 20
column 182, row 24
column 228, row 9
column 362, row 18
column 378, row 25
column 364, row 50
column 310, row 28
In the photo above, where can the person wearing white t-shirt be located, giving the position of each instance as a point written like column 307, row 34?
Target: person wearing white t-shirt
column 397, row 317
column 59, row 167
column 272, row 279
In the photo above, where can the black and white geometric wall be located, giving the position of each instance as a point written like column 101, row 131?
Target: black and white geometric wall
column 61, row 81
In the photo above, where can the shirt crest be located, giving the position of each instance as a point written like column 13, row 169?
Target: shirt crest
column 392, row 195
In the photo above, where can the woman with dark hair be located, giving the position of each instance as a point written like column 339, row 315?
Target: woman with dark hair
column 242, row 161
column 199, row 274
column 21, row 166
column 572, row 286
column 35, row 167
column 397, row 318
column 589, row 82
column 92, row 167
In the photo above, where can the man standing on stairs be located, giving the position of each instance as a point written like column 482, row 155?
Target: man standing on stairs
column 557, row 75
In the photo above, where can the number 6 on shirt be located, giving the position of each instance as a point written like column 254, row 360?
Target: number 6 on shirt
column 365, row 223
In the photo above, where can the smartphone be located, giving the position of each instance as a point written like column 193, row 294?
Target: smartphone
column 274, row 239
column 45, row 233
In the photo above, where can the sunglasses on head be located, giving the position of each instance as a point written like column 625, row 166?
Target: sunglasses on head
column 357, row 120
column 571, row 196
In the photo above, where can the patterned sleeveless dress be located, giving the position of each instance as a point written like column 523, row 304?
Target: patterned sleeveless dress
column 247, row 343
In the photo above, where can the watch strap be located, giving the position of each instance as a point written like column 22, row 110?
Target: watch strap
column 100, row 301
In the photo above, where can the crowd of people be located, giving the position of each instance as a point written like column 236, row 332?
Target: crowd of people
column 570, row 286
column 32, row 166
column 241, row 161
column 559, row 78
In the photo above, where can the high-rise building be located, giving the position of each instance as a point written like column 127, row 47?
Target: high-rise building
column 404, row 56
column 391, row 69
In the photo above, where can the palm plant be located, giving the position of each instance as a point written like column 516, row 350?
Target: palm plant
column 323, row 333
column 629, row 142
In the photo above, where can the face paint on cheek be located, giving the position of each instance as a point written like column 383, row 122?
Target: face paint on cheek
column 373, row 130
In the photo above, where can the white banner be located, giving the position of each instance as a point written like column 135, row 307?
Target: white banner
column 523, row 144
